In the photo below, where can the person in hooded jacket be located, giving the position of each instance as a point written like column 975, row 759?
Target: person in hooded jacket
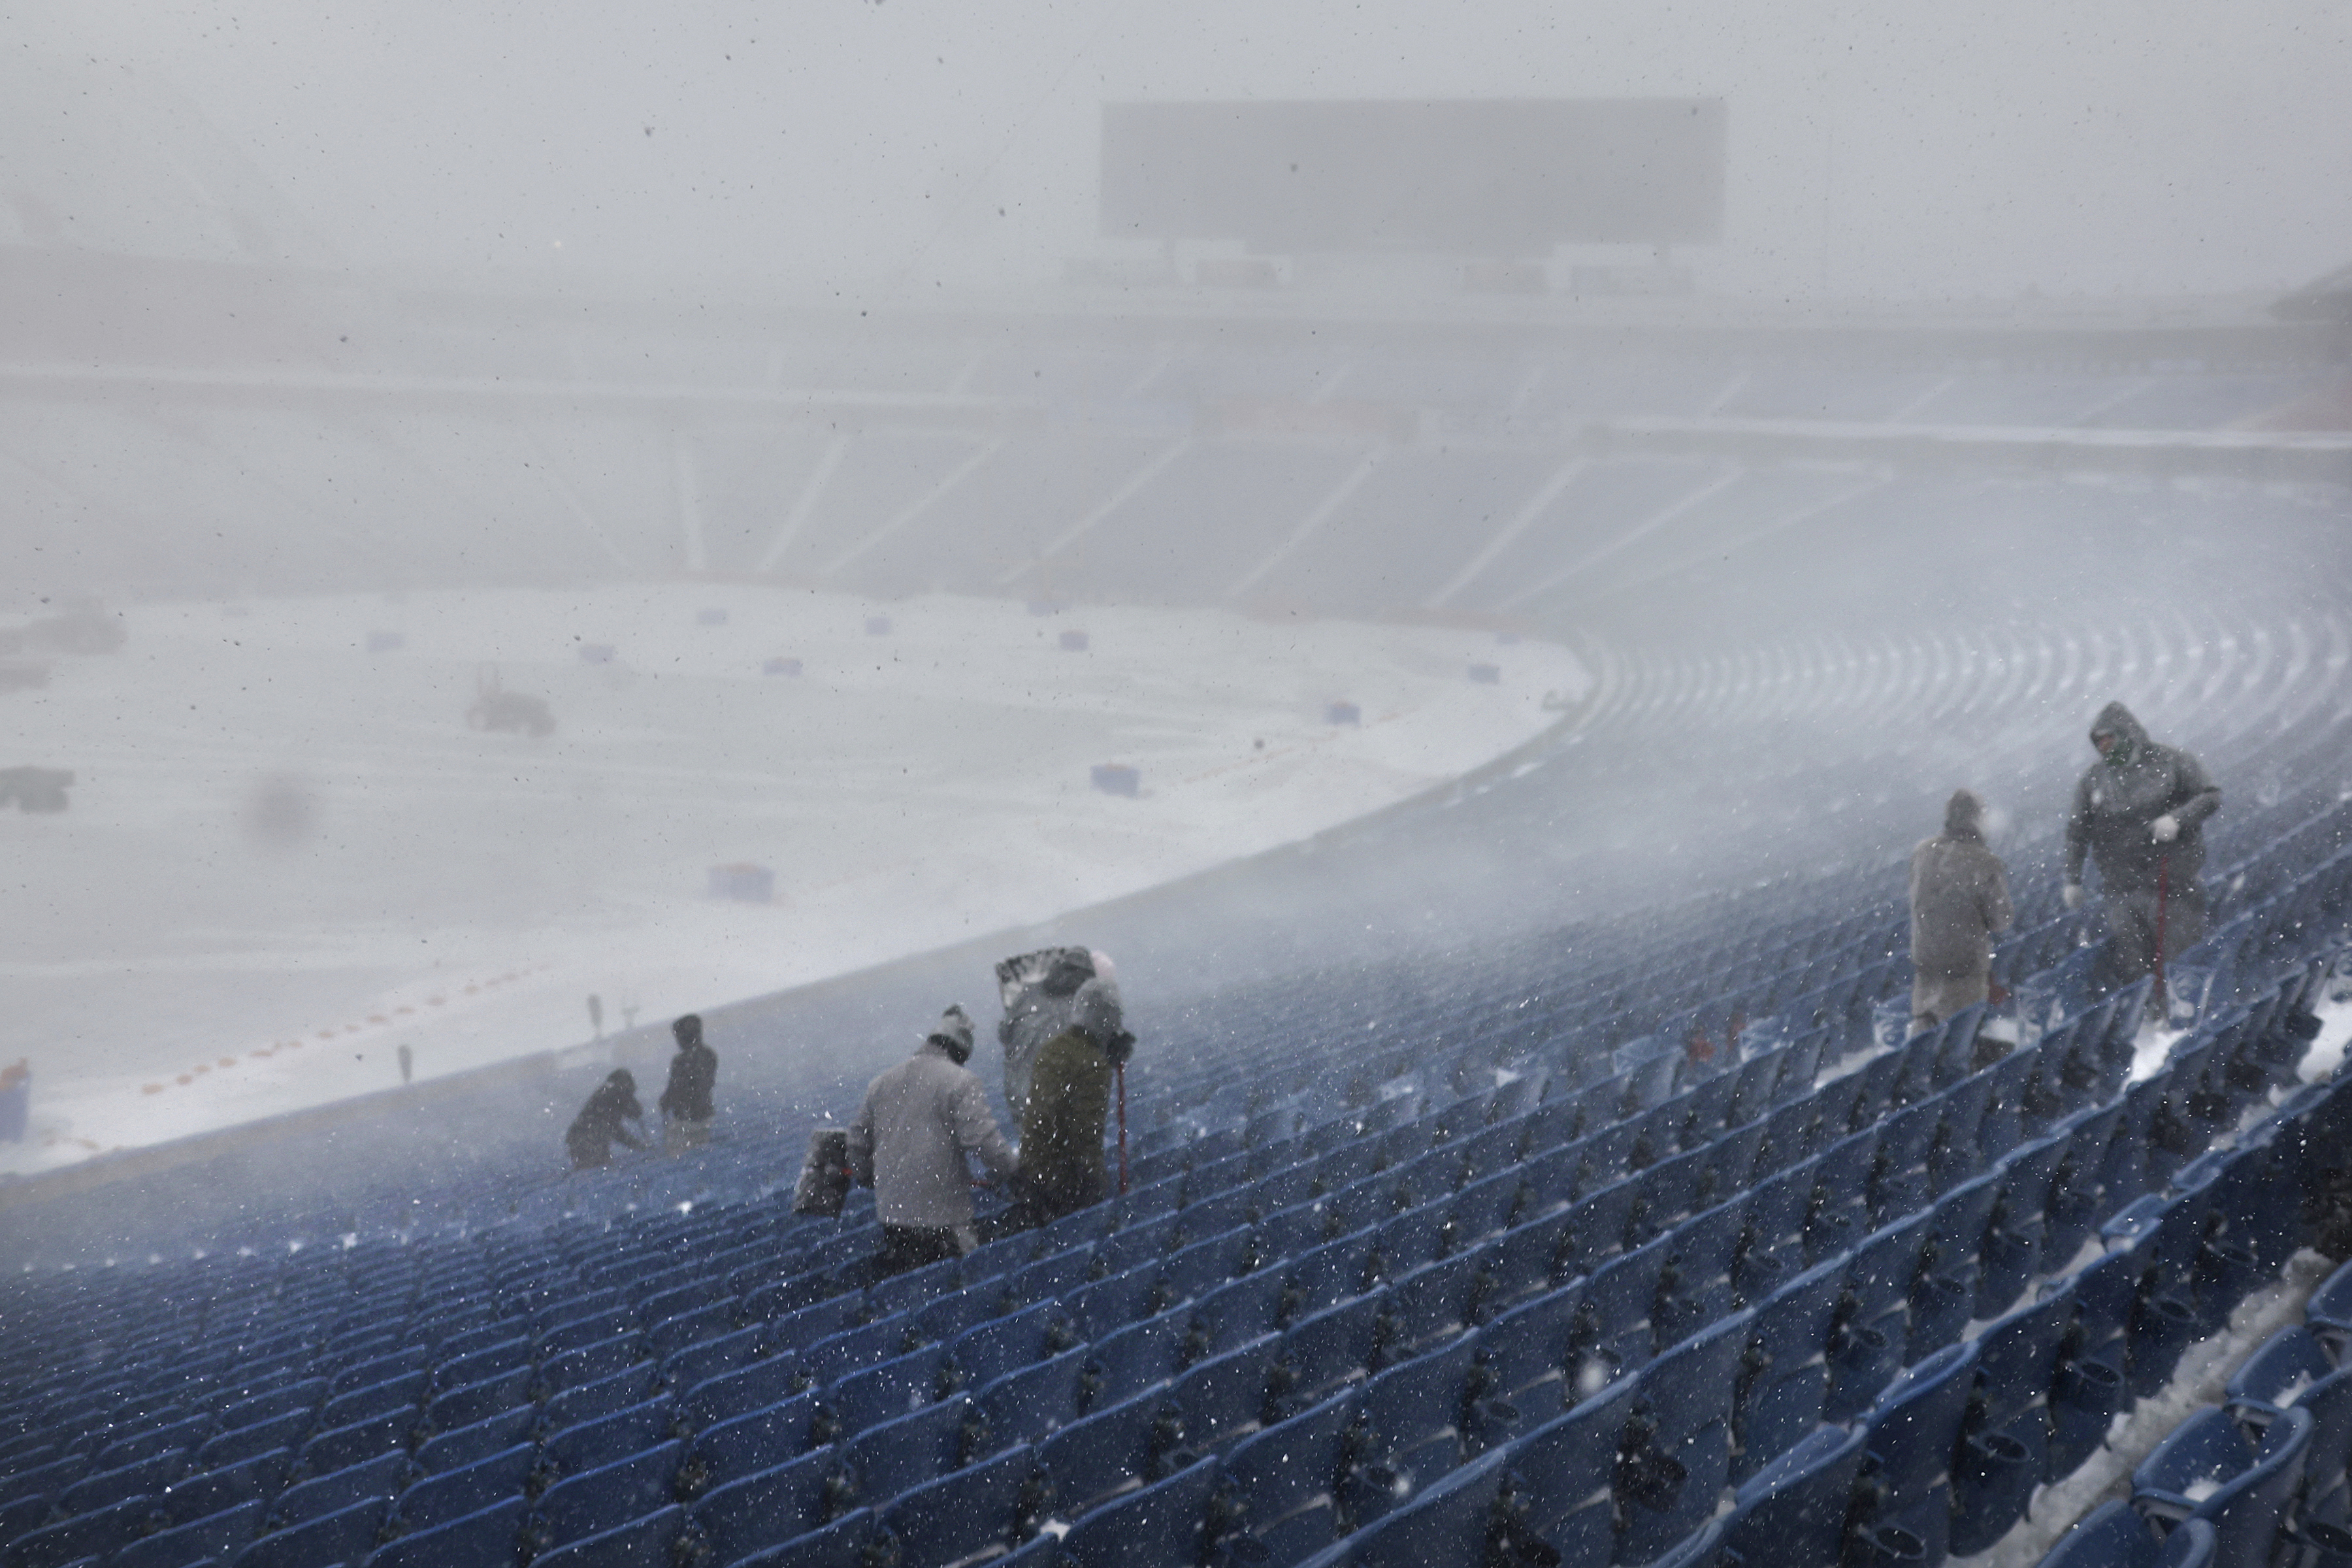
column 2139, row 813
column 1069, row 1101
column 1960, row 898
column 686, row 1100
column 597, row 1128
column 919, row 1122
column 1040, row 993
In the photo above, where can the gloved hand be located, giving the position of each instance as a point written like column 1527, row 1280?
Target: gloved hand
column 2071, row 895
column 2166, row 828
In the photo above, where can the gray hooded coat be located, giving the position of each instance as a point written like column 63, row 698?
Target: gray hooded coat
column 2119, row 801
column 1959, row 896
column 919, row 1121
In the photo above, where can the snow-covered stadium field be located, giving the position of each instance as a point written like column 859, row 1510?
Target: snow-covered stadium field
column 287, row 855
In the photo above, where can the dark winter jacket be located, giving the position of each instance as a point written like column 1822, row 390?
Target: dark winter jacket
column 2121, row 797
column 1069, row 1101
column 593, row 1133
column 1959, row 896
column 918, row 1122
column 692, row 1072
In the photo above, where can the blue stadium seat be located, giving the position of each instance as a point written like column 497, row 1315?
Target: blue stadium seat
column 452, row 1494
column 360, row 1442
column 347, row 1535
column 855, row 1349
column 592, row 1401
column 771, row 1507
column 140, row 1477
column 1320, row 1352
column 889, row 1456
column 1445, row 1527
column 1229, row 1318
column 644, row 1542
column 1794, row 1511
column 467, row 1444
column 1159, row 1526
column 1914, row 1434
column 599, row 1359
column 403, row 1391
column 981, row 1510
column 1880, row 1277
column 1279, row 1482
column 1784, row 1383
column 1837, row 1218
column 209, row 1538
column 1027, row 1405
column 479, row 1401
column 1694, row 1285
column 592, row 1501
column 1943, row 1298
column 1203, row 1266
column 628, row 1430
column 2209, row 1470
column 886, row 1392
column 1109, row 1304
column 283, row 1431
column 88, row 1535
column 2113, row 1536
column 487, row 1537
column 1436, row 1301
column 1008, row 1342
column 153, row 1437
column 1222, row 1397
column 1107, row 1452
column 708, row 1356
column 2292, row 1368
column 1412, row 1417
column 1618, row 1300
column 1684, row 1400
column 1052, row 1277
column 755, row 1387
column 378, row 1479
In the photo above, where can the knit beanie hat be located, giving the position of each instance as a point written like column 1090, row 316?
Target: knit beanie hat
column 954, row 1031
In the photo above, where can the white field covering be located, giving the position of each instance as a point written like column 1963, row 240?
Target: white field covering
column 286, row 856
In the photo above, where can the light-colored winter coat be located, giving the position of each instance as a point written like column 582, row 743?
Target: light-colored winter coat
column 919, row 1121
column 2120, row 797
column 1959, row 897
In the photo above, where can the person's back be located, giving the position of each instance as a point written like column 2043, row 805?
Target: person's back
column 914, row 1129
column 686, row 1099
column 1069, row 1102
column 1960, row 898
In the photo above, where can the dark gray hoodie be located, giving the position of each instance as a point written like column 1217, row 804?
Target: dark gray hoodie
column 2119, row 799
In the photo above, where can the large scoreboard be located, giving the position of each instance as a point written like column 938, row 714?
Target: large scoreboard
column 1501, row 178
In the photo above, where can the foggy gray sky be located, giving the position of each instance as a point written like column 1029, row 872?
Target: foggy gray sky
column 2101, row 146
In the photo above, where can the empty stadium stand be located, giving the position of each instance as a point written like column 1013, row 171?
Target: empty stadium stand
column 1593, row 1211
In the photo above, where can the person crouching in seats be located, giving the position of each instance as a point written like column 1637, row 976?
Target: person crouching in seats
column 1069, row 1099
column 918, row 1123
column 594, row 1132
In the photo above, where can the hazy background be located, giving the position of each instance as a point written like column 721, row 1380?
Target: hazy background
column 2102, row 147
